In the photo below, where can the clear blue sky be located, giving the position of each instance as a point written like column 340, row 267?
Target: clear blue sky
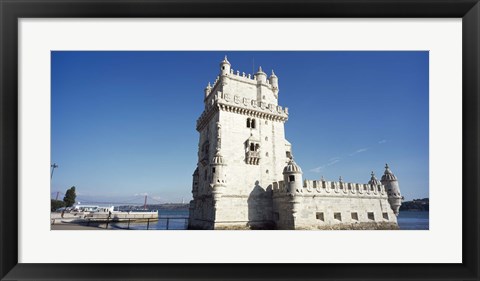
column 123, row 123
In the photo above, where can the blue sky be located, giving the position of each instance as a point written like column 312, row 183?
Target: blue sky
column 123, row 123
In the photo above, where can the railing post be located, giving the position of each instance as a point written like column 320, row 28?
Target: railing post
column 168, row 221
column 106, row 227
column 148, row 224
column 128, row 226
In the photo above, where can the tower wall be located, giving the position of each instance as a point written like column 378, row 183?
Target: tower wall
column 247, row 111
column 334, row 205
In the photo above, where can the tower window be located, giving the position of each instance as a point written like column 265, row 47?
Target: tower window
column 289, row 154
column 385, row 216
column 251, row 123
column 371, row 216
column 355, row 216
column 252, row 147
column 337, row 216
column 266, row 138
column 320, row 216
column 266, row 154
column 213, row 170
column 291, row 178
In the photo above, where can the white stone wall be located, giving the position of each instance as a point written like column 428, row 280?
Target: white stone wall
column 318, row 202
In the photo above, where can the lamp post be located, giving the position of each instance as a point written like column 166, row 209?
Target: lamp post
column 53, row 169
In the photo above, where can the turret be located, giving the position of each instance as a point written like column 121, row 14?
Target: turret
column 292, row 177
column 217, row 167
column 208, row 89
column 373, row 180
column 393, row 190
column 261, row 76
column 225, row 67
column 274, row 82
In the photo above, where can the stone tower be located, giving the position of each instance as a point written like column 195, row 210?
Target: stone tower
column 393, row 190
column 241, row 137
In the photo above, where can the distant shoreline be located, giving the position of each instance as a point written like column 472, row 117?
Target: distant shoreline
column 416, row 205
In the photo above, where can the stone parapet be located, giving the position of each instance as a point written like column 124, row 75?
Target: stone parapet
column 244, row 106
column 332, row 188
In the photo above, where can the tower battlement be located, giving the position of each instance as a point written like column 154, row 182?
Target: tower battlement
column 333, row 188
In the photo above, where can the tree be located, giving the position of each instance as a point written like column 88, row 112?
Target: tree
column 56, row 204
column 70, row 196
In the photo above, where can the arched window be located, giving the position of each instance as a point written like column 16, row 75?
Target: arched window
column 257, row 147
column 252, row 147
column 253, row 124
column 248, row 122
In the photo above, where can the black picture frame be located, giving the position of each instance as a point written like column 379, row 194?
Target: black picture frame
column 11, row 11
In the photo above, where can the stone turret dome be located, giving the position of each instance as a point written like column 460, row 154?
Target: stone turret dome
column 388, row 175
column 292, row 167
column 225, row 61
column 374, row 180
column 218, row 159
column 260, row 71
column 273, row 74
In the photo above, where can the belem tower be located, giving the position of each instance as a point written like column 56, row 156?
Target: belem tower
column 246, row 177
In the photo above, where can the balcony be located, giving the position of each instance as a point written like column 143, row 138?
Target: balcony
column 252, row 157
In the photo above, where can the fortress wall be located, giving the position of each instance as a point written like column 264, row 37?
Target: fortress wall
column 201, row 213
column 332, row 205
column 323, row 212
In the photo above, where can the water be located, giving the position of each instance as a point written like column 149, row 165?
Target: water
column 407, row 220
column 413, row 220
column 176, row 221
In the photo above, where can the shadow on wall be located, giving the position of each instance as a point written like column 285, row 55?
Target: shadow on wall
column 260, row 208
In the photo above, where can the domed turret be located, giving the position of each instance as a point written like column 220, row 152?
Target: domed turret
column 292, row 176
column 374, row 180
column 274, row 82
column 261, row 76
column 218, row 175
column 388, row 175
column 217, row 159
column 225, row 67
column 393, row 190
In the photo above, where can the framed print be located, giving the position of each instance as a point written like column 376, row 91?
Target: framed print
column 110, row 95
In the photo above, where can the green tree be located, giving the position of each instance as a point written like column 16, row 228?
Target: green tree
column 55, row 204
column 70, row 196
